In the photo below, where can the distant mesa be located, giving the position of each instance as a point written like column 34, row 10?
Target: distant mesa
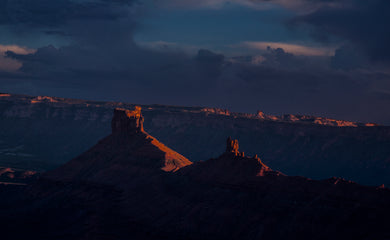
column 43, row 99
column 259, row 115
column 292, row 118
column 216, row 111
column 16, row 176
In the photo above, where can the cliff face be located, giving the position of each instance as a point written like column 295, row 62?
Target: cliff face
column 127, row 122
column 43, row 133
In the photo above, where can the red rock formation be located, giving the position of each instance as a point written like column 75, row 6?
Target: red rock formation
column 382, row 186
column 232, row 167
column 129, row 151
column 217, row 111
column 260, row 115
column 126, row 121
column 232, row 146
column 10, row 176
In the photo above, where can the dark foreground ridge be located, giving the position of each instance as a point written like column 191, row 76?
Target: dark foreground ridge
column 131, row 186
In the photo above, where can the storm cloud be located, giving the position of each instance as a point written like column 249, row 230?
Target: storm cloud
column 101, row 60
column 363, row 24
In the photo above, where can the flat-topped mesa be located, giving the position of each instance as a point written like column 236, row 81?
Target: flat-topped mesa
column 127, row 121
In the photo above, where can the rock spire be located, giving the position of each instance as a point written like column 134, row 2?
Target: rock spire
column 232, row 146
column 127, row 121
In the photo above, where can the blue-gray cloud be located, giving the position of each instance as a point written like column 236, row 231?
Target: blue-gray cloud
column 88, row 22
column 281, row 83
column 103, row 62
column 46, row 13
column 364, row 24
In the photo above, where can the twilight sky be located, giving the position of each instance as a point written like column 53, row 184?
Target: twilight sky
column 322, row 57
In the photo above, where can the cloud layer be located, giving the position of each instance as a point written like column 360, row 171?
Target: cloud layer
column 102, row 61
column 296, row 49
column 298, row 5
column 364, row 25
column 8, row 64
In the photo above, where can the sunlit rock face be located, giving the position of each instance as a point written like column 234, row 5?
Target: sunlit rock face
column 232, row 146
column 127, row 121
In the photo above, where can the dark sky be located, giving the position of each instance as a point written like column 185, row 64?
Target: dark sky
column 323, row 57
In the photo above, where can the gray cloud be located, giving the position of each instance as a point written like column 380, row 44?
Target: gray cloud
column 298, row 5
column 88, row 22
column 364, row 24
column 102, row 62
column 277, row 85
column 46, row 13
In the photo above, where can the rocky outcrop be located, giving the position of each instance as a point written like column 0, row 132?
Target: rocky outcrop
column 232, row 146
column 232, row 167
column 217, row 111
column 128, row 152
column 16, row 176
column 305, row 119
column 127, row 121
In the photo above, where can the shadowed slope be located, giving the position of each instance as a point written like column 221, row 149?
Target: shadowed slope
column 127, row 152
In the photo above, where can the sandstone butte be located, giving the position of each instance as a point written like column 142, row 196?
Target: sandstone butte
column 127, row 151
column 130, row 151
